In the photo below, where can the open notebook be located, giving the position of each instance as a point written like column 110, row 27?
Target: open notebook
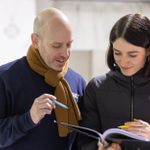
column 110, row 135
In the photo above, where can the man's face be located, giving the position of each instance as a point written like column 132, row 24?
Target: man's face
column 55, row 46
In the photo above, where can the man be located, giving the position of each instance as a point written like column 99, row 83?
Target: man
column 29, row 85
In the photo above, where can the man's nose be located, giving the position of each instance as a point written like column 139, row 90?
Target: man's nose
column 65, row 52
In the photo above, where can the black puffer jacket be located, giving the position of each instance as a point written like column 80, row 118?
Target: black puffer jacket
column 111, row 100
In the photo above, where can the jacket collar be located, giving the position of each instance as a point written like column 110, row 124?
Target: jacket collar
column 137, row 78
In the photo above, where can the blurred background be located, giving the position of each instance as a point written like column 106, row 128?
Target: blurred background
column 91, row 21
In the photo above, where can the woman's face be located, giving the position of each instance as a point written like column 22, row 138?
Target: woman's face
column 130, row 58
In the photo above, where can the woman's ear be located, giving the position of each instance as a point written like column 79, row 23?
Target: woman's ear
column 148, row 54
column 35, row 40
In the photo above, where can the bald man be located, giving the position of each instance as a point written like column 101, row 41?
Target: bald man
column 31, row 85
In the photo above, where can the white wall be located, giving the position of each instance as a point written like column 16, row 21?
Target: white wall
column 91, row 22
column 16, row 17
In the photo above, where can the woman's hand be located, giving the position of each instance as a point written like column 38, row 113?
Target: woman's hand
column 113, row 146
column 139, row 127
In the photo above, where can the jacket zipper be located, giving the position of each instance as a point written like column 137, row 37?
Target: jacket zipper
column 132, row 99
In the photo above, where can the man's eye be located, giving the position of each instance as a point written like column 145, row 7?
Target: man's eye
column 69, row 45
column 56, row 46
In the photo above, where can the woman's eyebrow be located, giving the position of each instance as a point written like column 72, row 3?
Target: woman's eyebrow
column 116, row 49
column 133, row 51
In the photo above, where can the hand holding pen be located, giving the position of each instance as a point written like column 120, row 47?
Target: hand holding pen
column 43, row 105
column 138, row 127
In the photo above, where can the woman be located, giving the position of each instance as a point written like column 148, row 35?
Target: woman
column 122, row 96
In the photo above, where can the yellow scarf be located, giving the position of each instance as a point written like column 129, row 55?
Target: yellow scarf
column 62, row 90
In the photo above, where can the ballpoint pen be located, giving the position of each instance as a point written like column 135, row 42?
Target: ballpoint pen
column 59, row 103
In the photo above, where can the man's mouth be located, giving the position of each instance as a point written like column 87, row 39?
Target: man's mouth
column 61, row 61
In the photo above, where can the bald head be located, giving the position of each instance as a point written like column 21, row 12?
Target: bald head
column 50, row 19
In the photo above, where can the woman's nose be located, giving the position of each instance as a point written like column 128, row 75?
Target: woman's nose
column 124, row 61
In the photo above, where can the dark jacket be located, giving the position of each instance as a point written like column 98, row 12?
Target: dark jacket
column 111, row 100
column 19, row 86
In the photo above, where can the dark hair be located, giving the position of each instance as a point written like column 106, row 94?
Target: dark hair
column 135, row 29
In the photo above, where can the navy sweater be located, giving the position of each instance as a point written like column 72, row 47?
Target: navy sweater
column 19, row 86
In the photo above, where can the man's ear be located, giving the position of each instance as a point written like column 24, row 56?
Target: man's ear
column 35, row 40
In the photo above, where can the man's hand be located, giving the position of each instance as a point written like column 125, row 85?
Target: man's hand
column 41, row 106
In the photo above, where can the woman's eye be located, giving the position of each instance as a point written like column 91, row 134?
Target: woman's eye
column 132, row 55
column 116, row 53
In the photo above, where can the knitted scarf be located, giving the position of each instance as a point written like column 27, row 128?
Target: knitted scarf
column 62, row 90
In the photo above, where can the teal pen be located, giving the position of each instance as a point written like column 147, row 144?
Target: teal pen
column 59, row 103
